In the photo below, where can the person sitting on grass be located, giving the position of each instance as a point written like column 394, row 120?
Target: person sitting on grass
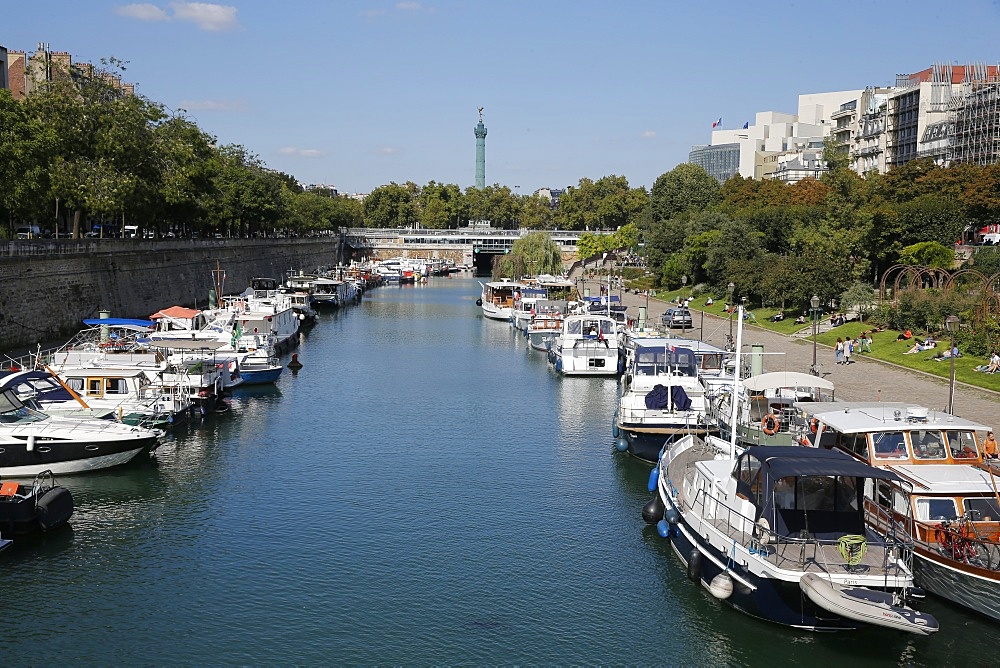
column 948, row 354
column 905, row 336
column 994, row 363
column 920, row 347
column 801, row 320
column 778, row 317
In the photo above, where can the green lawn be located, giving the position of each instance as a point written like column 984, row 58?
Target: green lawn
column 886, row 347
column 884, row 344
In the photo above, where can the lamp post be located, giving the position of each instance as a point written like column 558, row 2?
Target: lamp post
column 684, row 282
column 732, row 289
column 951, row 323
column 814, row 316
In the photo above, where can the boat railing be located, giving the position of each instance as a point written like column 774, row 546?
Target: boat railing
column 959, row 540
column 761, row 539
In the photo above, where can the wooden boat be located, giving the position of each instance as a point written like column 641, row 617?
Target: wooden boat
column 953, row 511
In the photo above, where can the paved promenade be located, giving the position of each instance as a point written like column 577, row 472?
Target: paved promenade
column 863, row 380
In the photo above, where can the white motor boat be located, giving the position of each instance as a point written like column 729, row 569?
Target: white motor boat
column 32, row 442
column 586, row 346
column 498, row 297
column 661, row 397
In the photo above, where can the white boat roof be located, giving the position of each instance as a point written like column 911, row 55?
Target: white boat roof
column 504, row 283
column 187, row 344
column 776, row 380
column 892, row 416
column 325, row 281
column 675, row 342
column 946, row 478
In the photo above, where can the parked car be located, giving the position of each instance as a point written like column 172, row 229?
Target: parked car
column 678, row 317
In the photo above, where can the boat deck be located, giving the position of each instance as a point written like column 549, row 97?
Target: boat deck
column 811, row 556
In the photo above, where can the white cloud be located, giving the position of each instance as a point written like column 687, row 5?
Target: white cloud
column 206, row 15
column 142, row 12
column 409, row 6
column 300, row 152
column 648, row 134
column 387, row 150
column 212, row 105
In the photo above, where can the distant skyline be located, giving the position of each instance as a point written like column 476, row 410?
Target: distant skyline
column 357, row 94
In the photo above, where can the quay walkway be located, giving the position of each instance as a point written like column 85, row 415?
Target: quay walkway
column 865, row 379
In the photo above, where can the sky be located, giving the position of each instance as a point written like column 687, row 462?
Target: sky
column 357, row 94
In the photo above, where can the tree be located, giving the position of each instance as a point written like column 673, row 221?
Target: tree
column 533, row 254
column 390, row 206
column 684, row 187
column 859, row 297
column 928, row 254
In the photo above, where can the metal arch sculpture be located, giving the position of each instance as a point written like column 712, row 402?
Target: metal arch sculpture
column 950, row 283
column 885, row 276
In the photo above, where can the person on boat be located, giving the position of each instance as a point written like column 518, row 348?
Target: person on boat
column 990, row 448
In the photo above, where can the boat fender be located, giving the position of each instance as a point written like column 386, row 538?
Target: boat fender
column 31, row 443
column 721, row 586
column 694, row 565
column 295, row 364
column 621, row 445
column 653, row 510
column 614, row 426
column 672, row 516
column 559, row 364
column 654, row 477
column 54, row 508
column 663, row 529
column 479, row 302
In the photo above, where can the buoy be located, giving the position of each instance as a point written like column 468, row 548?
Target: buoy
column 614, row 427
column 621, row 445
column 295, row 364
column 663, row 529
column 654, row 476
column 479, row 302
column 672, row 516
column 653, row 511
column 721, row 586
column 694, row 565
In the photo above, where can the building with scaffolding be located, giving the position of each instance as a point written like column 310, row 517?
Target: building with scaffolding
column 975, row 122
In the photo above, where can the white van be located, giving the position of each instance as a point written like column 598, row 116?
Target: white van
column 130, row 231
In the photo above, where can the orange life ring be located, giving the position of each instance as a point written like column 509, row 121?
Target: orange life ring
column 814, row 425
column 770, row 424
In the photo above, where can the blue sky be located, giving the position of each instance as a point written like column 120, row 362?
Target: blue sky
column 360, row 93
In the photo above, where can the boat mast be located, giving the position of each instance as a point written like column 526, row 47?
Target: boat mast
column 733, row 427
column 218, row 278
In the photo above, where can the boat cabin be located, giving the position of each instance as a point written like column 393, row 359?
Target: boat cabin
column 893, row 434
column 801, row 492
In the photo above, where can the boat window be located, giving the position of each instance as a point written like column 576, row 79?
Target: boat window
column 931, row 510
column 962, row 444
column 927, row 444
column 900, row 502
column 830, row 493
column 574, row 326
column 75, row 384
column 856, row 443
column 116, row 386
column 889, row 444
column 983, row 509
column 884, row 493
column 784, row 493
column 94, row 386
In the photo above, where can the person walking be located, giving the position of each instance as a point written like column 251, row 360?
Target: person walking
column 848, row 350
column 838, row 351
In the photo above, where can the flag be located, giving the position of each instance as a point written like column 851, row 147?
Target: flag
column 746, row 125
column 718, row 123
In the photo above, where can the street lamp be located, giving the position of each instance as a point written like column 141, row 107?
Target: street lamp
column 732, row 289
column 951, row 323
column 814, row 316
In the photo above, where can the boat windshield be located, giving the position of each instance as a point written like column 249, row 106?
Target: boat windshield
column 12, row 410
column 962, row 444
column 982, row 509
column 931, row 509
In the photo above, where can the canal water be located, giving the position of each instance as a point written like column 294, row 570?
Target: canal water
column 426, row 490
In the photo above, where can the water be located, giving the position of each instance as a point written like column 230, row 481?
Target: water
column 426, row 490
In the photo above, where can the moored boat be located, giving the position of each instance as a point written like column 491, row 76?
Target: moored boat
column 586, row 346
column 498, row 297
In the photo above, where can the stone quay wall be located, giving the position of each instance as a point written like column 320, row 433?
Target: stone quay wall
column 48, row 288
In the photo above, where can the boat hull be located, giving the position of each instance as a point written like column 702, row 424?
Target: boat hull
column 262, row 376
column 779, row 601
column 975, row 592
column 78, row 457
